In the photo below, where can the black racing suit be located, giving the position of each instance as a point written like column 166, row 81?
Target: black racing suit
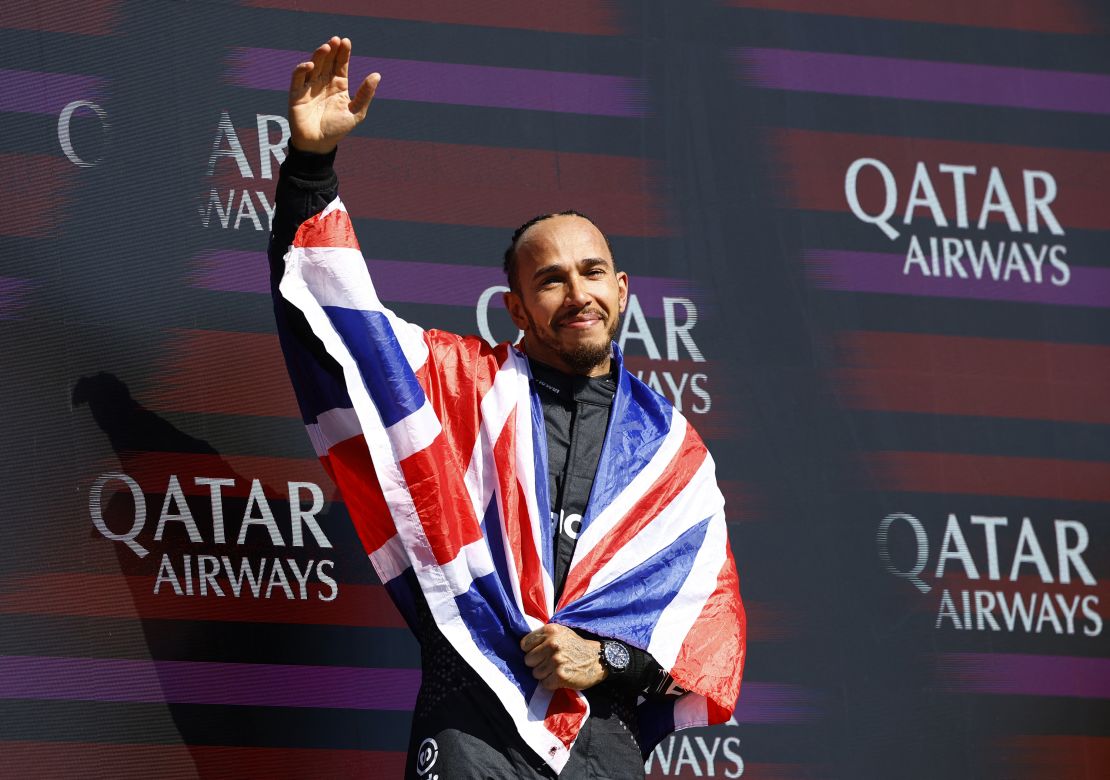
column 458, row 723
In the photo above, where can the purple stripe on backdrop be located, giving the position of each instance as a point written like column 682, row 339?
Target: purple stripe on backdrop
column 775, row 703
column 415, row 282
column 877, row 272
column 33, row 92
column 194, row 682
column 13, row 293
column 467, row 85
column 1025, row 675
column 278, row 685
column 991, row 85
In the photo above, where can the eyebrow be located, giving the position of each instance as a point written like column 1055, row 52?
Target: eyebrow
column 590, row 262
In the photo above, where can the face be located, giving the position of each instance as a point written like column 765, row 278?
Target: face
column 569, row 295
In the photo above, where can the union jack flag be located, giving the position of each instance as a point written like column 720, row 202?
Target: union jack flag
column 438, row 445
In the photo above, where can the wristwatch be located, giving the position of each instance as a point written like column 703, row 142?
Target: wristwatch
column 614, row 656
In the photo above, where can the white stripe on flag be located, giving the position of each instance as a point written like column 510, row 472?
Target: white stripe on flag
column 677, row 617
column 411, row 434
column 390, row 560
column 481, row 471
column 690, row 710
column 331, row 428
column 337, row 276
column 693, row 504
column 603, row 523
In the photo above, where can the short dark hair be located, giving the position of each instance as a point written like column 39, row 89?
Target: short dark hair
column 509, row 264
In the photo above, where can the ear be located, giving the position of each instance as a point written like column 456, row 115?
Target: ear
column 622, row 290
column 515, row 306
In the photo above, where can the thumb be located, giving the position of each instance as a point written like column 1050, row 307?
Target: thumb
column 365, row 94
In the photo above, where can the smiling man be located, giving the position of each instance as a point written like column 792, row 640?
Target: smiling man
column 548, row 525
column 566, row 294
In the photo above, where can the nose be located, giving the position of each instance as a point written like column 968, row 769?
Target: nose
column 577, row 295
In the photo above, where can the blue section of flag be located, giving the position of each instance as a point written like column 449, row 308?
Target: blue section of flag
column 497, row 638
column 369, row 337
column 318, row 389
column 638, row 424
column 629, row 606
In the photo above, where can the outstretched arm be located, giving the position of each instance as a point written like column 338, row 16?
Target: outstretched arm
column 321, row 109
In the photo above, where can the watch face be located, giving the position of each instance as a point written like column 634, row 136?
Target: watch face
column 616, row 655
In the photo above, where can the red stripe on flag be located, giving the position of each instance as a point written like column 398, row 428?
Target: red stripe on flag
column 518, row 528
column 1051, row 16
column 116, row 596
column 435, row 482
column 689, row 458
column 564, row 715
column 816, row 163
column 457, row 184
column 582, row 17
column 713, row 653
column 140, row 762
column 354, row 473
column 990, row 475
column 961, row 375
column 96, row 17
column 333, row 229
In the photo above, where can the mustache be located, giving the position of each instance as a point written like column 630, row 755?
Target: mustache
column 571, row 317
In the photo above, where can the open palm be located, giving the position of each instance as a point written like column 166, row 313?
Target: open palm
column 321, row 109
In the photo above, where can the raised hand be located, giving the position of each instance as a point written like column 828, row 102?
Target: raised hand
column 321, row 110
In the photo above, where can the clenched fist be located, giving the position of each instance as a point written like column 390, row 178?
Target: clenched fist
column 559, row 658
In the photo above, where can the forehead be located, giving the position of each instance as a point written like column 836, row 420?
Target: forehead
column 568, row 238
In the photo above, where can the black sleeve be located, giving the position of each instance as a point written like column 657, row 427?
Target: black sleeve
column 306, row 184
column 645, row 676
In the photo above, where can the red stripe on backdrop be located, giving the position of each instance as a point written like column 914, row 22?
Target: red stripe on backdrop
column 458, row 184
column 141, row 762
column 152, row 470
column 932, row 374
column 1039, row 756
column 226, row 372
column 112, row 595
column 96, row 17
column 585, row 17
column 816, row 163
column 990, row 475
column 1058, row 16
column 35, row 194
column 223, row 372
column 683, row 466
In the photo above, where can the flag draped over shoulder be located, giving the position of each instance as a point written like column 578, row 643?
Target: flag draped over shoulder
column 438, row 446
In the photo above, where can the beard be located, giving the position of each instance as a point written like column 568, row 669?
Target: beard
column 584, row 356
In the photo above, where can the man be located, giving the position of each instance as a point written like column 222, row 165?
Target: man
column 446, row 450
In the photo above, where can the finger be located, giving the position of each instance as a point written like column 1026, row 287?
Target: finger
column 318, row 58
column 329, row 60
column 531, row 640
column 301, row 73
column 366, row 91
column 543, row 671
column 343, row 58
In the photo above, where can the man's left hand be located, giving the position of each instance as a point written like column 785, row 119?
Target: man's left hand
column 559, row 658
